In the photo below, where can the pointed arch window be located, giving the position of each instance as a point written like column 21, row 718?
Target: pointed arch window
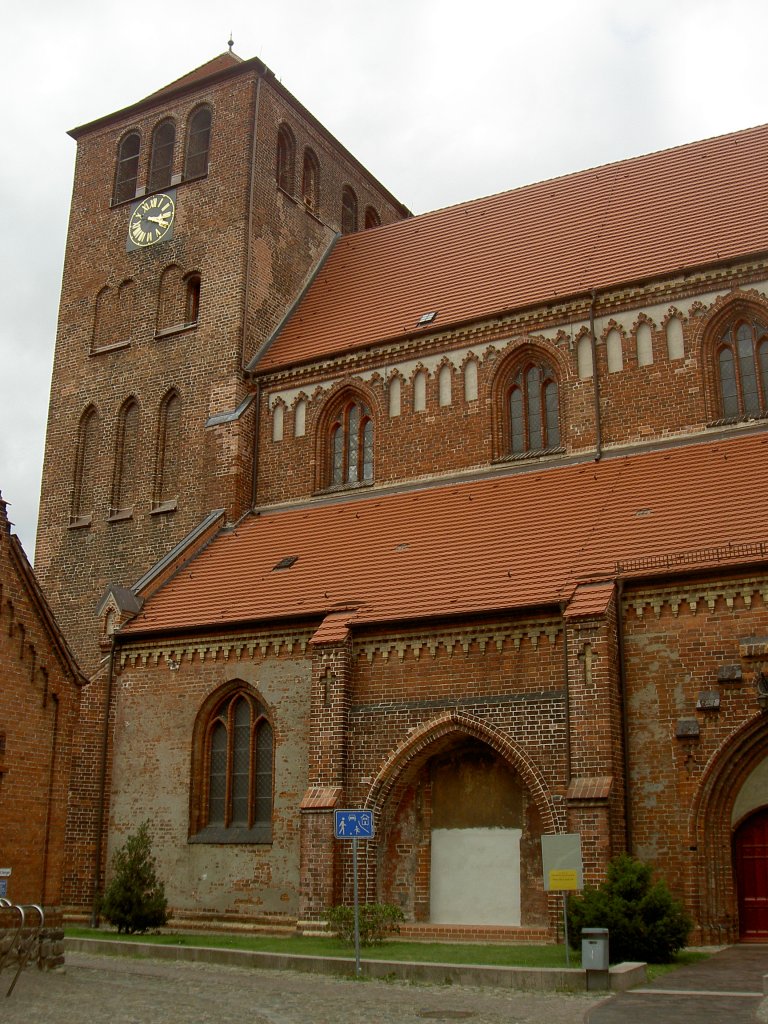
column 127, row 172
column 232, row 802
column 310, row 181
column 351, row 445
column 161, row 160
column 533, row 410
column 742, row 370
column 124, row 487
column 85, row 469
column 285, row 170
column 348, row 211
column 198, row 143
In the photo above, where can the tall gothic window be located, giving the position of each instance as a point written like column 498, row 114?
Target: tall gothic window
column 127, row 173
column 351, row 445
column 285, row 169
column 235, row 748
column 168, row 451
column 126, row 461
column 161, row 160
column 533, row 410
column 198, row 143
column 85, row 468
column 742, row 370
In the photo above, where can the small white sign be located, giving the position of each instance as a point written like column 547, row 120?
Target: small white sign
column 5, row 872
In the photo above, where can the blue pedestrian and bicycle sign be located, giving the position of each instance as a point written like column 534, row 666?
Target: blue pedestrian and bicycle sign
column 353, row 824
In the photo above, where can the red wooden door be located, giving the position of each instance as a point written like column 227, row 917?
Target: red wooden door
column 751, row 857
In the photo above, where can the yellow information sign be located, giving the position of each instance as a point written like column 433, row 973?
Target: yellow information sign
column 563, row 880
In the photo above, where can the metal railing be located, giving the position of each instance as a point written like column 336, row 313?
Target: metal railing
column 25, row 940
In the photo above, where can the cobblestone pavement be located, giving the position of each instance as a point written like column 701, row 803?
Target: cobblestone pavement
column 111, row 990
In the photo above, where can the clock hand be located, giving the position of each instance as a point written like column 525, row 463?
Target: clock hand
column 159, row 220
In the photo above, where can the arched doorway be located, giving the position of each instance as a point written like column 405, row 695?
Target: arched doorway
column 750, row 858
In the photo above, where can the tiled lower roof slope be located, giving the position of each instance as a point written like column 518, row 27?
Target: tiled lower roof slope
column 642, row 218
column 512, row 542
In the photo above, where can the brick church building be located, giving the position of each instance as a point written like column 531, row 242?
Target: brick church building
column 454, row 517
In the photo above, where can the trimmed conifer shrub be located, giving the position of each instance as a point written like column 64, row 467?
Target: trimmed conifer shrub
column 643, row 919
column 135, row 898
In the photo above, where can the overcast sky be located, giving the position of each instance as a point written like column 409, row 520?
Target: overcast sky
column 442, row 100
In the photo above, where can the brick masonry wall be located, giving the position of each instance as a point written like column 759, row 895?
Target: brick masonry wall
column 38, row 708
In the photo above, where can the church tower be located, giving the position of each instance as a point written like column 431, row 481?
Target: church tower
column 198, row 215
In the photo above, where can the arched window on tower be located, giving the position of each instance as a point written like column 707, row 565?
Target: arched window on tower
column 742, row 370
column 127, row 171
column 285, row 169
column 81, row 513
column 192, row 299
column 533, row 411
column 310, row 181
column 161, row 160
column 198, row 143
column 350, row 444
column 348, row 211
column 233, row 771
column 125, row 482
column 166, row 496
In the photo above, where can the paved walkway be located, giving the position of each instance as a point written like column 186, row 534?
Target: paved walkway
column 725, row 989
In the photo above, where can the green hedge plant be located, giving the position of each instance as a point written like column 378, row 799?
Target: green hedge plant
column 135, row 898
column 376, row 921
column 643, row 919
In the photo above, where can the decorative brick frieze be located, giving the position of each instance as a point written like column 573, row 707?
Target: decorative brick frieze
column 698, row 599
column 239, row 646
column 459, row 641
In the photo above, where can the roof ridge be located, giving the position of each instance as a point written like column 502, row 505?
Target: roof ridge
column 195, row 73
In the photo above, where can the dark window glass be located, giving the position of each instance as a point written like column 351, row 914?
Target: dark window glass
column 192, row 305
column 161, row 162
column 533, row 409
column 742, row 364
column 351, row 445
column 127, row 168
column 198, row 143
column 240, row 765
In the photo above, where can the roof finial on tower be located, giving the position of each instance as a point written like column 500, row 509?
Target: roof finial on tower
column 231, row 41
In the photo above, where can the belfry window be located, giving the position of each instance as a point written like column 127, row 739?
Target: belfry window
column 742, row 370
column 348, row 211
column 127, row 172
column 198, row 143
column 161, row 162
column 533, row 410
column 351, row 445
column 234, row 803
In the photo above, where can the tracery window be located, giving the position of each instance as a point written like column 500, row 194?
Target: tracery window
column 742, row 369
column 351, row 445
column 286, row 159
column 348, row 211
column 233, row 800
column 198, row 143
column 126, row 175
column 161, row 160
column 533, row 410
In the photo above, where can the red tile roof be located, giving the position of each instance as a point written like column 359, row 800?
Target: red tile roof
column 222, row 62
column 623, row 222
column 509, row 542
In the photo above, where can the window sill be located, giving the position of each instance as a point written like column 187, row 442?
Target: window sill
column 80, row 522
column 112, row 347
column 176, row 329
column 733, row 421
column 540, row 453
column 117, row 515
column 218, row 834
column 143, row 191
column 165, row 506
column 341, row 488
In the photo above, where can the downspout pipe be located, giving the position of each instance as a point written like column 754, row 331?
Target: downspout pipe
column 595, row 378
column 94, row 922
column 567, row 689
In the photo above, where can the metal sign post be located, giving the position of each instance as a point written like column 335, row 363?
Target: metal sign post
column 563, row 872
column 354, row 825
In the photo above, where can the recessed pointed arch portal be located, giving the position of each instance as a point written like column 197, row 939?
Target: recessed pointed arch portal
column 460, row 814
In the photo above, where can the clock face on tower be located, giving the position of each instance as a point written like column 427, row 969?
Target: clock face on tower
column 151, row 220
